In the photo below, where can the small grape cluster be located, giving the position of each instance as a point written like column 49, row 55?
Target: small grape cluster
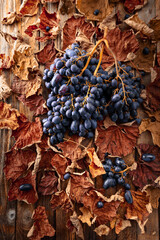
column 81, row 94
column 115, row 174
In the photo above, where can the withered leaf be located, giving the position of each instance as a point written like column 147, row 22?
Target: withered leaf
column 123, row 44
column 17, row 162
column 61, row 200
column 11, row 18
column 29, row 7
column 45, row 19
column 8, row 116
column 142, row 61
column 41, row 226
column 132, row 5
column 120, row 224
column 47, row 55
column 155, row 25
column 66, row 7
column 27, row 133
column 59, row 163
column 154, row 196
column 96, row 168
column 117, row 140
column 77, row 225
column 88, row 7
column 86, row 216
column 5, row 90
column 102, row 230
column 36, row 103
column 6, row 62
column 27, row 88
column 27, row 196
column 74, row 24
column 146, row 172
column 48, row 183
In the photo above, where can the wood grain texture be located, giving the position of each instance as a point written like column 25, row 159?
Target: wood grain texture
column 15, row 217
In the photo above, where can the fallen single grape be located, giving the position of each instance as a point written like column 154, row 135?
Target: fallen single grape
column 128, row 196
column 100, row 204
column 146, row 51
column 66, row 176
column 96, row 12
column 47, row 28
column 25, row 187
column 147, row 157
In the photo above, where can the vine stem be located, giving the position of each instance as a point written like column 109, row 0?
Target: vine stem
column 75, row 142
column 100, row 59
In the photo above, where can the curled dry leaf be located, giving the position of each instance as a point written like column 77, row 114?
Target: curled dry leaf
column 27, row 88
column 17, row 162
column 146, row 172
column 119, row 224
column 117, row 140
column 73, row 25
column 84, row 42
column 61, row 200
column 142, row 61
column 41, row 226
column 29, row 7
column 155, row 25
column 26, row 196
column 123, row 44
column 27, row 133
column 140, row 209
column 136, row 23
column 96, row 168
column 8, row 116
column 152, row 124
column 45, row 19
column 154, row 196
column 11, row 18
column 76, row 225
column 6, row 62
column 88, row 7
column 48, row 183
column 59, row 163
column 153, row 90
column 5, row 90
column 36, row 103
column 132, row 5
column 47, row 55
column 102, row 230
column 86, row 216
column 66, row 8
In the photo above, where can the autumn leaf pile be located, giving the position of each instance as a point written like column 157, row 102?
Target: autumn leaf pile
column 32, row 160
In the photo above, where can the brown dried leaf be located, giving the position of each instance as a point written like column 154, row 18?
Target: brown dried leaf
column 84, row 42
column 5, row 90
column 61, row 200
column 29, row 7
column 116, row 140
column 73, row 25
column 121, row 224
column 155, row 25
column 154, row 196
column 66, row 7
column 132, row 5
column 86, row 216
column 41, row 226
column 36, row 103
column 102, row 230
column 26, row 196
column 17, row 162
column 6, row 62
column 142, row 61
column 59, row 163
column 47, row 55
column 27, row 133
column 96, row 168
column 88, row 7
column 8, row 116
column 123, row 44
column 27, row 88
column 11, row 18
column 136, row 23
column 146, row 172
column 77, row 225
column 48, row 183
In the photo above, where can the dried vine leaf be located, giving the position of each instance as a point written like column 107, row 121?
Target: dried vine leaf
column 73, row 25
column 142, row 61
column 140, row 209
column 87, row 8
column 6, row 62
column 45, row 19
column 27, row 133
column 26, row 196
column 66, row 8
column 146, row 172
column 29, row 7
column 117, row 140
column 36, row 103
column 41, row 226
column 120, row 224
column 102, row 230
column 86, row 216
column 5, row 90
column 47, row 55
column 8, row 116
column 59, row 163
column 136, row 23
column 11, row 18
column 155, row 25
column 132, row 5
column 96, row 168
column 77, row 225
column 27, row 88
column 123, row 44
column 84, row 42
column 48, row 183
column 61, row 200
column 154, row 196
column 17, row 162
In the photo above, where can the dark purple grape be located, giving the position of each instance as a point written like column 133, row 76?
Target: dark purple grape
column 100, row 204
column 66, row 176
column 96, row 12
column 109, row 182
column 128, row 197
column 25, row 187
column 47, row 28
column 148, row 157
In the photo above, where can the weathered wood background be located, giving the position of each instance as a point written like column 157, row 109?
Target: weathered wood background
column 15, row 217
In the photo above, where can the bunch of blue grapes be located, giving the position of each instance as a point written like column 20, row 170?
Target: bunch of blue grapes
column 78, row 98
column 115, row 174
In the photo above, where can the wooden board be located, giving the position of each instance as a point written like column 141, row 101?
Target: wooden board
column 15, row 217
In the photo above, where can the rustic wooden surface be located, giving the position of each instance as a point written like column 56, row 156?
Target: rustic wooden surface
column 15, row 217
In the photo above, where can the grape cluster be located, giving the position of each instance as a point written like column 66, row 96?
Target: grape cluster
column 115, row 174
column 79, row 98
